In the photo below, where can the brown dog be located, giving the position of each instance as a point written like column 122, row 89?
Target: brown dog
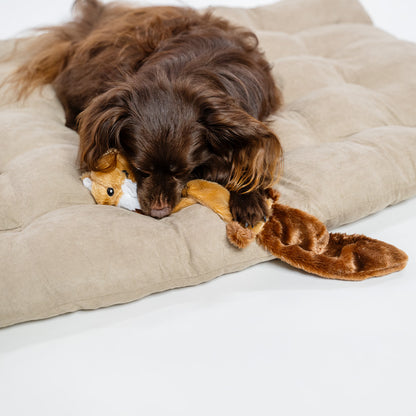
column 181, row 94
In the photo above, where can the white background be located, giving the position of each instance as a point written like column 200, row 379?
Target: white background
column 266, row 341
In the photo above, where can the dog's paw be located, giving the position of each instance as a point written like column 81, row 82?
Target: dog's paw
column 250, row 208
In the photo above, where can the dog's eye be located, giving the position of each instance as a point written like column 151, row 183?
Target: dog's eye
column 176, row 172
column 181, row 174
column 143, row 174
column 110, row 191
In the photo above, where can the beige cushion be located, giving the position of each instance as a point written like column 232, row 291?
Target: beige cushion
column 347, row 127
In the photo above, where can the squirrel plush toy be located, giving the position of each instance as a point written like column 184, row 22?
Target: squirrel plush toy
column 291, row 235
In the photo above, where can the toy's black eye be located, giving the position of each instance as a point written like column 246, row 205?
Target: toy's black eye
column 110, row 191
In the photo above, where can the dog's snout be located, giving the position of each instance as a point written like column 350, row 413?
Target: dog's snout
column 160, row 213
column 160, row 209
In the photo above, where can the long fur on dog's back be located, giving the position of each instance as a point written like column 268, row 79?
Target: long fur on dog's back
column 88, row 34
column 53, row 47
column 85, row 33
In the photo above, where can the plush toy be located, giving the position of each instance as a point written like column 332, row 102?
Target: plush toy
column 291, row 235
column 114, row 183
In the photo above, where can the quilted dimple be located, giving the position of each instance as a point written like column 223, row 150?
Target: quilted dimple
column 339, row 111
column 328, row 40
column 368, row 170
column 45, row 129
column 278, row 44
column 40, row 181
column 302, row 74
column 293, row 130
column 383, row 57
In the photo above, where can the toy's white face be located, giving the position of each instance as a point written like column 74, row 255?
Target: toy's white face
column 128, row 198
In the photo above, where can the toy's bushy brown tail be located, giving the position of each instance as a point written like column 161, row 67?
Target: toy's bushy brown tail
column 302, row 241
column 50, row 51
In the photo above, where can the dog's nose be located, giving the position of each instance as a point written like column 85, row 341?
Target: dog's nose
column 160, row 213
column 160, row 209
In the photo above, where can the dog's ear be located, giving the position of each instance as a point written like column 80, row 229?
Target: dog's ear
column 99, row 126
column 256, row 153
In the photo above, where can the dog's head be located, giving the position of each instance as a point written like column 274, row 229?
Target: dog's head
column 164, row 145
column 156, row 130
column 171, row 134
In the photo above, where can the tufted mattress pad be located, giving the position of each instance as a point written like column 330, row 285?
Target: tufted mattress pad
column 348, row 129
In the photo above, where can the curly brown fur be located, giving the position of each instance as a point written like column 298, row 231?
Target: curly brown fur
column 182, row 95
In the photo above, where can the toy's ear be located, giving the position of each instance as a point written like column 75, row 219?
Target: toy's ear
column 86, row 180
